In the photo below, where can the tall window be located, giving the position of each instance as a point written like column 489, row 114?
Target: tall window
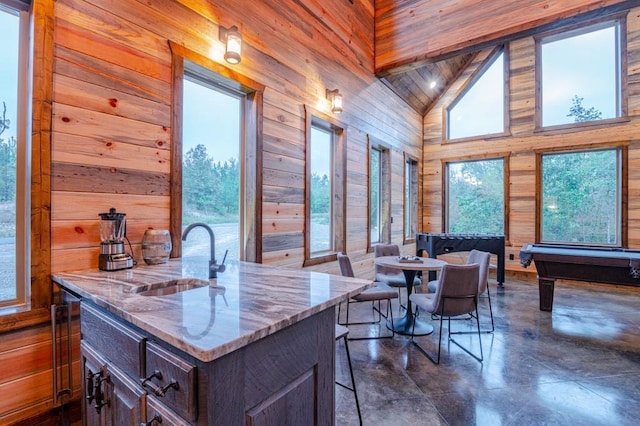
column 580, row 74
column 379, row 193
column 475, row 197
column 375, row 196
column 325, row 190
column 212, row 169
column 217, row 149
column 410, row 199
column 14, row 149
column 321, row 162
column 480, row 109
column 581, row 196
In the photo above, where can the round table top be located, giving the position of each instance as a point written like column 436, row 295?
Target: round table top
column 425, row 264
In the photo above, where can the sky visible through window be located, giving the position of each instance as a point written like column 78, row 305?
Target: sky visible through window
column 480, row 111
column 584, row 66
column 9, row 69
column 211, row 118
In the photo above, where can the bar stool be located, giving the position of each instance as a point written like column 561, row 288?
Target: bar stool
column 341, row 333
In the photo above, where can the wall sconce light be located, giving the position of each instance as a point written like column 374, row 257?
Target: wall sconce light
column 335, row 98
column 233, row 44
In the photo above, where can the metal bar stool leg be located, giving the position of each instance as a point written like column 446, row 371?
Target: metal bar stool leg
column 341, row 333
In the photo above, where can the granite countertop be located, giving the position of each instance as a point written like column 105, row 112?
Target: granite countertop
column 246, row 302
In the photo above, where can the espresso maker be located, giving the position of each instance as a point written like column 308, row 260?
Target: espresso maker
column 112, row 236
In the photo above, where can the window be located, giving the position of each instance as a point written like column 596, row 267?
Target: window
column 325, row 190
column 475, row 196
column 581, row 196
column 410, row 199
column 379, row 194
column 375, row 196
column 481, row 108
column 211, row 166
column 579, row 74
column 14, row 152
column 216, row 149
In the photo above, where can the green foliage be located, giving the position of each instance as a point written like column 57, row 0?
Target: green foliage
column 476, row 197
column 8, row 160
column 320, row 194
column 580, row 113
column 580, row 197
column 210, row 189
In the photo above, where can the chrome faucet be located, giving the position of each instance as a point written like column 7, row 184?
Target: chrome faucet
column 214, row 267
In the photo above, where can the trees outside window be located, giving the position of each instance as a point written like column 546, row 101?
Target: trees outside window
column 580, row 200
column 14, row 148
column 475, row 197
column 325, row 188
column 410, row 199
column 374, row 196
column 580, row 71
column 211, row 168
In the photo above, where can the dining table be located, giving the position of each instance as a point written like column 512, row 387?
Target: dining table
column 410, row 265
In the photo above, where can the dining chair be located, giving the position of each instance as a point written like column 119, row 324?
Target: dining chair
column 342, row 333
column 456, row 294
column 483, row 259
column 391, row 276
column 377, row 293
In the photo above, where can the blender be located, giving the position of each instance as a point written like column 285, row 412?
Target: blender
column 112, row 235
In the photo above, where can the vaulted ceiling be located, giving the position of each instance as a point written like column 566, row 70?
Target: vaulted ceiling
column 420, row 42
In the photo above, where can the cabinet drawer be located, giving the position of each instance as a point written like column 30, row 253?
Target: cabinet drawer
column 118, row 343
column 178, row 377
column 156, row 409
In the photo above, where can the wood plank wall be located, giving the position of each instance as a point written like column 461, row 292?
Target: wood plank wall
column 111, row 130
column 522, row 142
column 112, row 106
column 408, row 33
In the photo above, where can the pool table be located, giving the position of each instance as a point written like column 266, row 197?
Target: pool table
column 601, row 265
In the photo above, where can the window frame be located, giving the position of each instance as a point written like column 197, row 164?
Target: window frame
column 622, row 78
column 37, row 172
column 410, row 239
column 623, row 148
column 468, row 85
column 384, row 195
column 339, row 187
column 505, row 157
column 251, row 92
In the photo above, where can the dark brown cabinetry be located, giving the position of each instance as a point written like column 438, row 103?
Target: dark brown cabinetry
column 131, row 378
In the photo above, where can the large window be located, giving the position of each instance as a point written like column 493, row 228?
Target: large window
column 325, row 190
column 581, row 196
column 379, row 194
column 480, row 109
column 579, row 74
column 211, row 146
column 410, row 199
column 475, row 196
column 216, row 150
column 14, row 149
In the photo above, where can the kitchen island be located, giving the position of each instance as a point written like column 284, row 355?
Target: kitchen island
column 253, row 346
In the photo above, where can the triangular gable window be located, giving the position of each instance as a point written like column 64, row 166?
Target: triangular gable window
column 480, row 108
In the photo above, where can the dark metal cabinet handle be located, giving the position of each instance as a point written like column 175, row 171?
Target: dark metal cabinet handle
column 157, row 419
column 90, row 377
column 99, row 394
column 158, row 390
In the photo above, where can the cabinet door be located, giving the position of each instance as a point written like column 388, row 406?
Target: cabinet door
column 94, row 397
column 127, row 400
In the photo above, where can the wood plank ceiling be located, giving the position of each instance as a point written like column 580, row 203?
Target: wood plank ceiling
column 423, row 41
column 421, row 87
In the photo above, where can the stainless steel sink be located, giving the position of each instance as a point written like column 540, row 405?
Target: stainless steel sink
column 164, row 288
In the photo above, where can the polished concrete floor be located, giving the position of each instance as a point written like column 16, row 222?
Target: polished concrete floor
column 577, row 365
